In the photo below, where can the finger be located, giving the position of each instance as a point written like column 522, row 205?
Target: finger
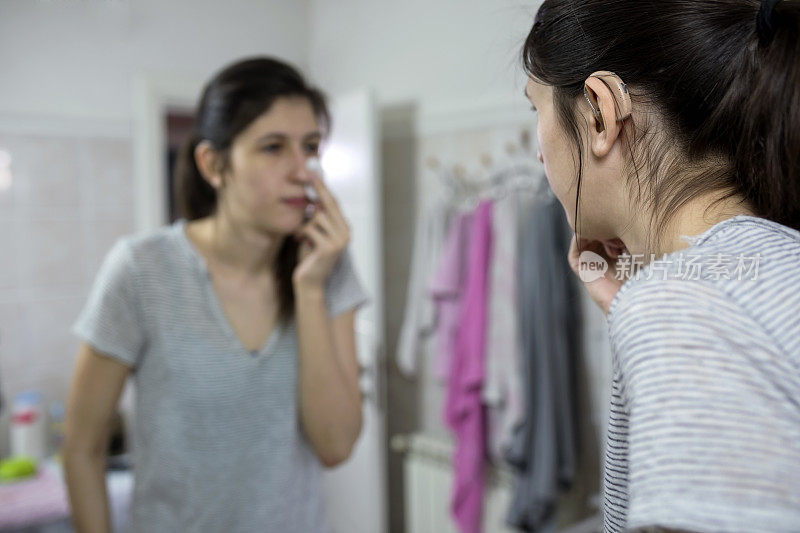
column 589, row 244
column 593, row 246
column 323, row 221
column 339, row 230
column 614, row 247
column 610, row 251
column 327, row 200
column 315, row 235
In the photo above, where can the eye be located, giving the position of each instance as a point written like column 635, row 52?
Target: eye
column 272, row 148
column 312, row 148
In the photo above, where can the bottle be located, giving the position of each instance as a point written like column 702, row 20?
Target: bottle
column 28, row 430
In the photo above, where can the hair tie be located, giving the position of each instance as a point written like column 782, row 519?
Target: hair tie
column 764, row 25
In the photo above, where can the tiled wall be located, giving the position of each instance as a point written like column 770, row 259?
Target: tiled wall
column 71, row 197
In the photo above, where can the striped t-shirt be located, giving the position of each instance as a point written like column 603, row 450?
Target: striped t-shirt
column 704, row 430
column 218, row 445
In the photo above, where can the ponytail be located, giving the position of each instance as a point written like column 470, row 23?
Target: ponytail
column 767, row 154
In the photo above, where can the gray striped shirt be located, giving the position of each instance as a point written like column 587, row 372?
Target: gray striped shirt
column 218, row 444
column 704, row 430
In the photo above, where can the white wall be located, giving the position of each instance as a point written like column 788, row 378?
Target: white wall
column 77, row 58
column 67, row 78
column 434, row 53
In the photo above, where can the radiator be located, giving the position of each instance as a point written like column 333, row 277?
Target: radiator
column 428, row 481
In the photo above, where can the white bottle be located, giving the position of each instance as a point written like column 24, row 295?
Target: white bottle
column 28, row 429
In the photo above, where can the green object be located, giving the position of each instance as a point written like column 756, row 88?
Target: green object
column 17, row 468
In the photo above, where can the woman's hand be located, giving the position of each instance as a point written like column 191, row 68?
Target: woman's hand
column 603, row 289
column 324, row 237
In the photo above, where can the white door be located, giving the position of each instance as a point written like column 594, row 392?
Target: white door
column 355, row 492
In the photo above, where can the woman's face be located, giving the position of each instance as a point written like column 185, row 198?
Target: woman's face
column 264, row 184
column 601, row 196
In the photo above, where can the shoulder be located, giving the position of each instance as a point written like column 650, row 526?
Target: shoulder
column 659, row 306
column 160, row 240
column 149, row 250
column 724, row 281
column 679, row 330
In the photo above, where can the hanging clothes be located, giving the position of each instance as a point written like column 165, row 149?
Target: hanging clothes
column 447, row 289
column 543, row 449
column 464, row 410
column 420, row 319
column 502, row 390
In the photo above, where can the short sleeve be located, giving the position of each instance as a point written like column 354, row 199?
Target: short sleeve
column 111, row 319
column 714, row 438
column 344, row 290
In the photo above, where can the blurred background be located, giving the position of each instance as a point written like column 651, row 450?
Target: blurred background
column 95, row 98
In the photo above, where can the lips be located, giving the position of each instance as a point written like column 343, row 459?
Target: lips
column 299, row 202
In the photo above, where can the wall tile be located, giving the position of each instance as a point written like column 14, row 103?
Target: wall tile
column 10, row 247
column 53, row 253
column 51, row 169
column 70, row 200
column 108, row 190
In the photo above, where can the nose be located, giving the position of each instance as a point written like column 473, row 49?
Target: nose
column 301, row 172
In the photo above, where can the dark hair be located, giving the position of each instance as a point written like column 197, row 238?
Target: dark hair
column 724, row 94
column 230, row 102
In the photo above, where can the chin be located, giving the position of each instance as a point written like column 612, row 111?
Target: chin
column 275, row 228
column 289, row 228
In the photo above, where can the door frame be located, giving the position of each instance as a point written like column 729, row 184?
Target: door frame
column 154, row 93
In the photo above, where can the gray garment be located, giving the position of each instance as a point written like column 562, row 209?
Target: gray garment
column 218, row 444
column 543, row 449
column 704, row 430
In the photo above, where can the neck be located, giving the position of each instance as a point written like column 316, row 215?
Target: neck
column 238, row 246
column 694, row 218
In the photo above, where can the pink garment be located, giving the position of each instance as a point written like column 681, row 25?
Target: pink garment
column 34, row 501
column 464, row 411
column 447, row 289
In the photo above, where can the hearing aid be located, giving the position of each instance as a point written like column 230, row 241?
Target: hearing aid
column 619, row 90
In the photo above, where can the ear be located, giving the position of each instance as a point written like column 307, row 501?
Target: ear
column 208, row 163
column 607, row 113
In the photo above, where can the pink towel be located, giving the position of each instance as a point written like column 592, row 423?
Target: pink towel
column 33, row 501
column 447, row 290
column 464, row 412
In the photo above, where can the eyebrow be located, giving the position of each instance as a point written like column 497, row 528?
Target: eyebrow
column 282, row 136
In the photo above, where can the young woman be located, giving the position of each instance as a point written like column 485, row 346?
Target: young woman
column 670, row 132
column 236, row 326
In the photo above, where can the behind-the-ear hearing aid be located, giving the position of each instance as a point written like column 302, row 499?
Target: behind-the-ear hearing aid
column 618, row 88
